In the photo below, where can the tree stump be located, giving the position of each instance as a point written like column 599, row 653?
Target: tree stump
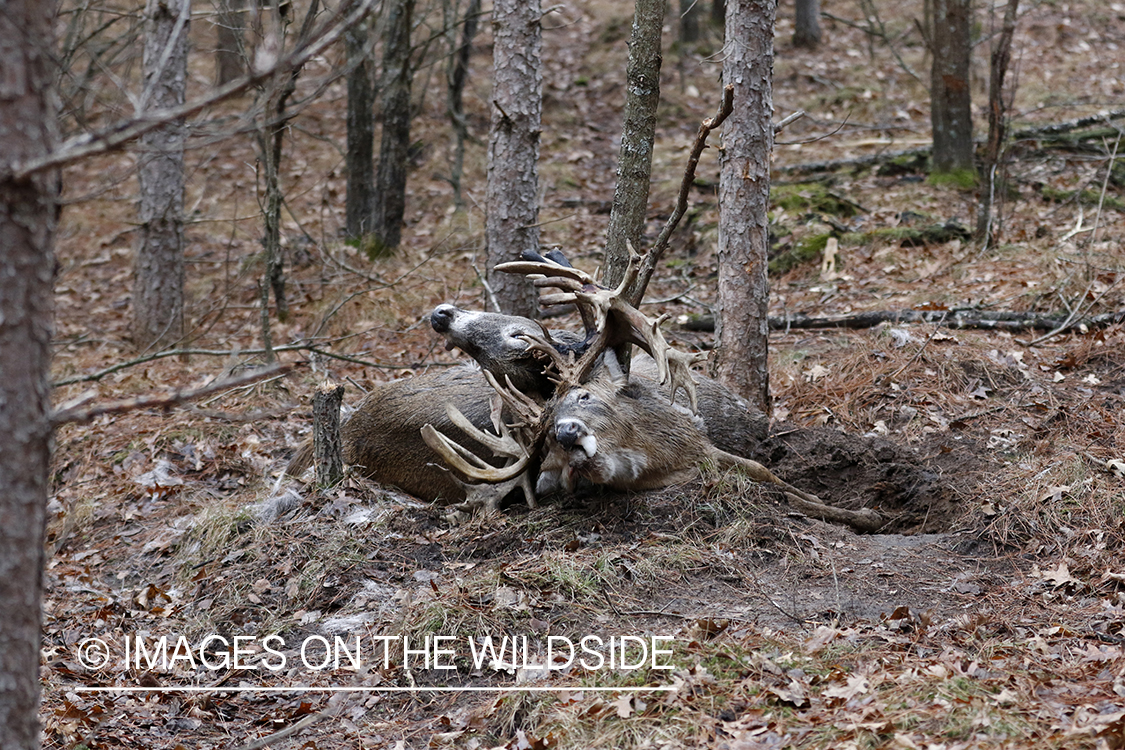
column 327, row 446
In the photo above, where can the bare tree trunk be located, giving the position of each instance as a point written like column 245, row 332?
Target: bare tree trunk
column 230, row 46
column 806, row 32
column 271, row 138
column 458, row 72
column 512, row 194
column 950, row 101
column 690, row 13
column 997, row 123
column 634, row 164
column 359, row 203
column 28, row 215
column 158, row 266
column 744, row 188
column 394, row 148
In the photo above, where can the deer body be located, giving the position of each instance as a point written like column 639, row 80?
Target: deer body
column 382, row 437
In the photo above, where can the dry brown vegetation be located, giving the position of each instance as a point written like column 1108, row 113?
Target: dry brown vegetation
column 992, row 616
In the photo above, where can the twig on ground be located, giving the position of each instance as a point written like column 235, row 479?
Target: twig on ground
column 335, row 703
column 79, row 415
column 1073, row 320
column 298, row 347
column 917, row 354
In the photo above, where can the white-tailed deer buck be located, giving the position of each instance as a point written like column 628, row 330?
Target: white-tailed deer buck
column 382, row 438
column 601, row 426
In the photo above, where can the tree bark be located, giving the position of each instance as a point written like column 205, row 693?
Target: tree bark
column 158, row 286
column 394, row 147
column 512, row 195
column 230, row 44
column 359, row 203
column 634, row 164
column 28, row 215
column 744, row 188
column 327, row 445
column 951, row 115
column 806, row 32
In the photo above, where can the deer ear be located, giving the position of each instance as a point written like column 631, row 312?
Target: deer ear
column 617, row 375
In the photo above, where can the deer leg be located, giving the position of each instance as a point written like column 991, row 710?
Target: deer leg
column 864, row 519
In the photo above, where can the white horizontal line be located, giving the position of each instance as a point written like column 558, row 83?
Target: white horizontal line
column 368, row 689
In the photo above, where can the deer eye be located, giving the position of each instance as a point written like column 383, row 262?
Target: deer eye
column 583, row 398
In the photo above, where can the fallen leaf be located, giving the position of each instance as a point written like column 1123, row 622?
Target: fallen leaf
column 815, row 373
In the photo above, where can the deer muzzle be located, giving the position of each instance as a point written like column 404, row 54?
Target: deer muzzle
column 573, row 432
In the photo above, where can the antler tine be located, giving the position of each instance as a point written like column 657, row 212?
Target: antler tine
column 545, row 269
column 609, row 318
column 523, row 406
column 469, row 464
column 455, row 455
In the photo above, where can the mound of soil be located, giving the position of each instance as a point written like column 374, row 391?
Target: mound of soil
column 918, row 490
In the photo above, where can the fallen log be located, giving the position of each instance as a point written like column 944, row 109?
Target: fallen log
column 961, row 318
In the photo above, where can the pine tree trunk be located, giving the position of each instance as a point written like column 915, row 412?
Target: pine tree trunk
column 950, row 101
column 158, row 266
column 512, row 194
column 806, row 32
column 327, row 445
column 744, row 186
column 634, row 165
column 394, row 148
column 359, row 203
column 28, row 214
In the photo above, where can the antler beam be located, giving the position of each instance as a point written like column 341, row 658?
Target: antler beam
column 609, row 320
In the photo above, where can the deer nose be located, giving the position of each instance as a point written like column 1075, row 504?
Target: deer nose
column 442, row 317
column 569, row 432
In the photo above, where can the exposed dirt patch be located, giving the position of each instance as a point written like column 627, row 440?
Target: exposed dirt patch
column 918, row 489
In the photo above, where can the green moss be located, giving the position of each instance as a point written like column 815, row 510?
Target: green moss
column 905, row 164
column 961, row 179
column 934, row 234
column 810, row 197
column 1087, row 197
column 803, row 251
column 373, row 247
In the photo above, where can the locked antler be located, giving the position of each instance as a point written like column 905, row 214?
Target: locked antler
column 518, row 439
column 608, row 318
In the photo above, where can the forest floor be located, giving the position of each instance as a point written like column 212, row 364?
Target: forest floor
column 990, row 613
